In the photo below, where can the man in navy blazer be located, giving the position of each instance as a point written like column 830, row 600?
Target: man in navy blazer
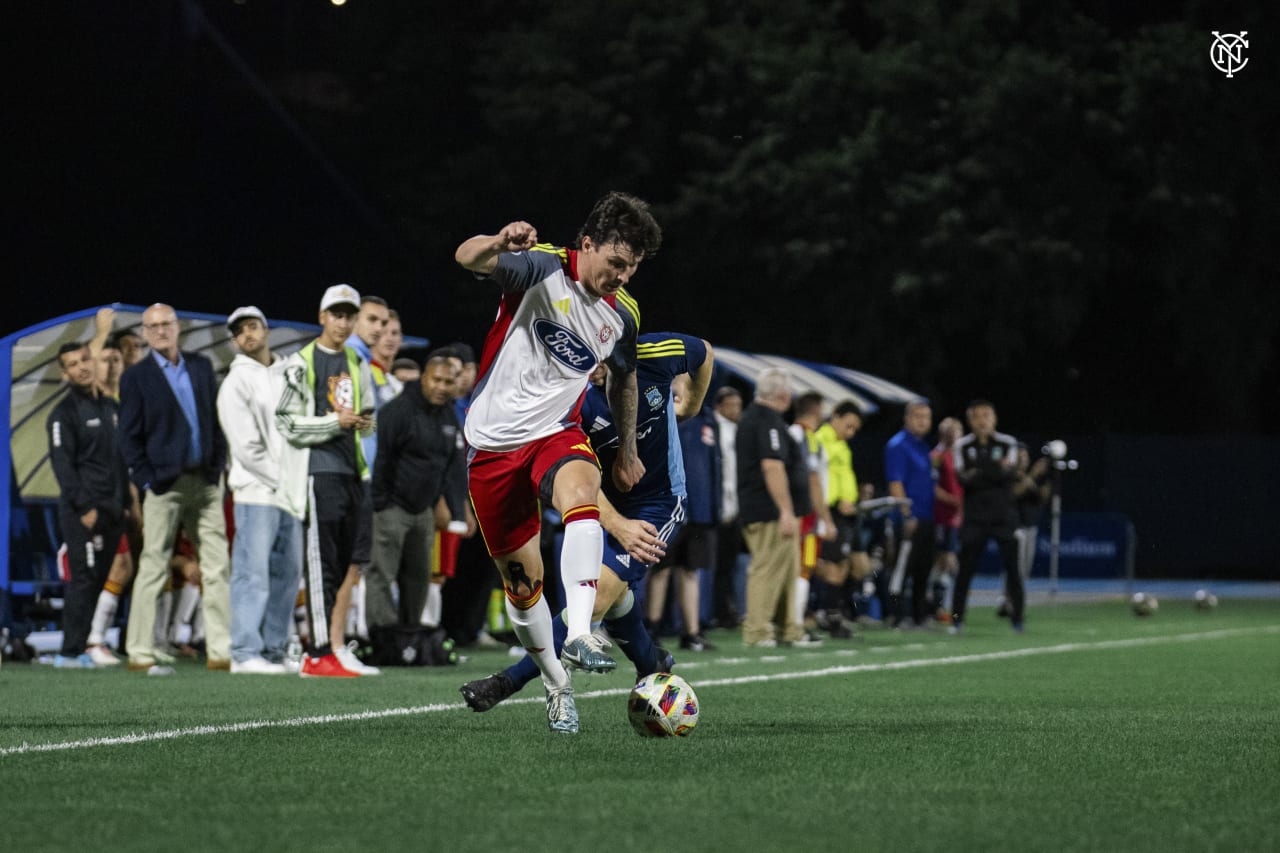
column 175, row 451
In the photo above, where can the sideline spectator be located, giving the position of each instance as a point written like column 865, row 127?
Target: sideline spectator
column 475, row 593
column 694, row 546
column 406, row 371
column 986, row 464
column 818, row 525
column 349, row 605
column 1030, row 494
column 729, row 541
column 385, row 352
column 110, row 365
column 132, row 347
column 948, row 512
column 93, row 496
column 419, row 445
column 773, row 493
column 266, row 558
column 325, row 409
column 909, row 474
column 176, row 454
column 837, row 555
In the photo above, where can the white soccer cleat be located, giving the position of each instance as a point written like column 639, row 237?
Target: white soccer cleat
column 587, row 654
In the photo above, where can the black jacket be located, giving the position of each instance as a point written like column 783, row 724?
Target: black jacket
column 987, row 470
column 419, row 448
column 85, row 455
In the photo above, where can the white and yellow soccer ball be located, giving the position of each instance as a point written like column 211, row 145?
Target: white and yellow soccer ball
column 662, row 705
column 1144, row 604
column 1205, row 600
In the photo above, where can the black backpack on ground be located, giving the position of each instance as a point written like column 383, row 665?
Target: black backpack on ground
column 416, row 646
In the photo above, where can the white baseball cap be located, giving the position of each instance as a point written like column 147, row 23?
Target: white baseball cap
column 340, row 294
column 245, row 311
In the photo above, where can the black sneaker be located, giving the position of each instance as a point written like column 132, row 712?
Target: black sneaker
column 483, row 693
column 695, row 643
column 666, row 661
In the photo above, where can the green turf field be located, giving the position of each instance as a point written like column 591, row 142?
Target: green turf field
column 1094, row 731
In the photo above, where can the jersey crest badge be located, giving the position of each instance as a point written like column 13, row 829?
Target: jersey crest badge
column 653, row 396
column 605, row 333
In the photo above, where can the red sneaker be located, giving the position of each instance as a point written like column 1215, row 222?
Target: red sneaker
column 326, row 667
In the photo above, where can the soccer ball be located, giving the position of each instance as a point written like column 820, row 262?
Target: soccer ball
column 1144, row 604
column 662, row 705
column 1205, row 600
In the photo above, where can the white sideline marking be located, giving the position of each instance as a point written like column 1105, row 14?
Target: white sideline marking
column 322, row 719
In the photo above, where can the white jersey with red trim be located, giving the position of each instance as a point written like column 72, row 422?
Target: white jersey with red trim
column 549, row 334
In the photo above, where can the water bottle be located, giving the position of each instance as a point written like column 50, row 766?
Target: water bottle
column 293, row 654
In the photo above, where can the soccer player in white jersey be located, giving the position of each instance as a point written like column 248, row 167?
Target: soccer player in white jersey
column 563, row 311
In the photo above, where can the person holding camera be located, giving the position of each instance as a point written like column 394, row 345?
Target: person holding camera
column 326, row 407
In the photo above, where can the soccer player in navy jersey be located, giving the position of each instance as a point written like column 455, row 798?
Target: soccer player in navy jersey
column 563, row 311
column 640, row 522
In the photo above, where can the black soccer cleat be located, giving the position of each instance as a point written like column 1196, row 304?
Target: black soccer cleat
column 483, row 693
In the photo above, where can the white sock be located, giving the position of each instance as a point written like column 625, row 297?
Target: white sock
column 580, row 570
column 802, row 598
column 164, row 610
column 431, row 612
column 533, row 628
column 188, row 601
column 360, row 626
column 103, row 615
column 197, row 625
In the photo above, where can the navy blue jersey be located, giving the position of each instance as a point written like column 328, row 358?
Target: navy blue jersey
column 660, row 357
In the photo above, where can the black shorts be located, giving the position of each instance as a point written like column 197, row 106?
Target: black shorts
column 693, row 548
column 848, row 534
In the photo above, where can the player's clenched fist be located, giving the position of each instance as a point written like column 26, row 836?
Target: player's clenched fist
column 517, row 237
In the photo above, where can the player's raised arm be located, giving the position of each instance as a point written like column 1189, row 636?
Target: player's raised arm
column 480, row 253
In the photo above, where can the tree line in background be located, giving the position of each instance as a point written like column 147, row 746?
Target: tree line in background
column 1059, row 205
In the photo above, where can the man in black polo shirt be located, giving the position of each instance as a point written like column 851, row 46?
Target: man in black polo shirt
column 987, row 466
column 419, row 449
column 773, row 494
column 94, row 495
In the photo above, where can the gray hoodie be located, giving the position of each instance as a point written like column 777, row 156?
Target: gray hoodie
column 246, row 409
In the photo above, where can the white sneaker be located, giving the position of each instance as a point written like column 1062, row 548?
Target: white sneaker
column 103, row 656
column 347, row 657
column 257, row 665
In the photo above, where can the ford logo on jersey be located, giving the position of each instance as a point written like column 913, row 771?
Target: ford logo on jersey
column 566, row 347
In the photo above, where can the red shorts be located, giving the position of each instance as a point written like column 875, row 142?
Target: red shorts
column 444, row 556
column 506, row 487
column 808, row 544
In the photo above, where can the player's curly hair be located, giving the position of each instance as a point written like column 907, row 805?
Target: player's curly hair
column 622, row 218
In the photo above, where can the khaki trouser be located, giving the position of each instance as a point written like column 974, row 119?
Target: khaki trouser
column 771, row 583
column 197, row 506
